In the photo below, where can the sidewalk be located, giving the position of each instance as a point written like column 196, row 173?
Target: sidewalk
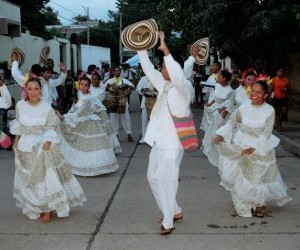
column 290, row 135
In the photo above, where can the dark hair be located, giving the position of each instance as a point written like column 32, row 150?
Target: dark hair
column 250, row 73
column 217, row 64
column 264, row 85
column 36, row 69
column 34, row 79
column 44, row 69
column 97, row 75
column 280, row 67
column 91, row 67
column 226, row 74
column 85, row 78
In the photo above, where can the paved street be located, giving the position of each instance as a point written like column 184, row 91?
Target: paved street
column 121, row 213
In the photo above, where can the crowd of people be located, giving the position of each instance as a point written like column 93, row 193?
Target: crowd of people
column 66, row 126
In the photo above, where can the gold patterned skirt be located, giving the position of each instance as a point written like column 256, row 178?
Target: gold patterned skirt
column 87, row 148
column 44, row 183
column 253, row 180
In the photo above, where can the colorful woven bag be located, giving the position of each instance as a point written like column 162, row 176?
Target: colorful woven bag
column 186, row 131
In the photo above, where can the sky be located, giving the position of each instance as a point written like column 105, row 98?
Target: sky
column 68, row 9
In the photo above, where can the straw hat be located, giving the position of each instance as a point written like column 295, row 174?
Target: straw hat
column 203, row 54
column 44, row 56
column 20, row 54
column 141, row 35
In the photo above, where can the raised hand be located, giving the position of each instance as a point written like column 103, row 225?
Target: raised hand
column 62, row 67
column 163, row 46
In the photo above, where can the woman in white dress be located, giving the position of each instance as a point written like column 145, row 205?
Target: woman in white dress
column 86, row 146
column 242, row 93
column 98, row 92
column 247, row 163
column 43, row 183
column 217, row 111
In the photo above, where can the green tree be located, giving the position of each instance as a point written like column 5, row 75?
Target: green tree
column 51, row 16
column 79, row 18
column 261, row 32
column 33, row 17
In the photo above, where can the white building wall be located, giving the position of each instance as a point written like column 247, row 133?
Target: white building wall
column 31, row 47
column 10, row 10
column 93, row 55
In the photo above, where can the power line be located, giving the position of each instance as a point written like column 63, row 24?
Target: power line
column 64, row 7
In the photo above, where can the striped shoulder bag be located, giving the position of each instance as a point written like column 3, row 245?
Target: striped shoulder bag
column 186, row 131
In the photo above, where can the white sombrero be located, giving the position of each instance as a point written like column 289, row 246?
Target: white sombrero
column 203, row 54
column 44, row 56
column 20, row 54
column 141, row 35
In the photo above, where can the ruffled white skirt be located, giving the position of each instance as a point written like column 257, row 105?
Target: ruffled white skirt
column 43, row 183
column 87, row 148
column 253, row 180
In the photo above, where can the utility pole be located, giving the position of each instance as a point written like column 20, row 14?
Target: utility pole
column 120, row 42
column 86, row 10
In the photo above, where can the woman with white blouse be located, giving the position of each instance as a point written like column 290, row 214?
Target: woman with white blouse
column 247, row 162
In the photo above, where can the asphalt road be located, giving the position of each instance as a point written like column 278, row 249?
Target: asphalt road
column 121, row 213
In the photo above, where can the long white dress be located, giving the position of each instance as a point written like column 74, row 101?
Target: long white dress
column 86, row 146
column 241, row 96
column 99, row 93
column 224, row 97
column 254, row 179
column 43, row 182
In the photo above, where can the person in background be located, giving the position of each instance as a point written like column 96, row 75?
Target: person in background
column 85, row 144
column 280, row 86
column 216, row 113
column 69, row 91
column 5, row 104
column 119, row 81
column 212, row 79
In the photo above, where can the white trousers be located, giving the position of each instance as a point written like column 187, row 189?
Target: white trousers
column 163, row 173
column 145, row 122
column 125, row 119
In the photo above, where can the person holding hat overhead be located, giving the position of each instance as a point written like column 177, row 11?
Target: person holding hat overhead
column 48, row 84
column 175, row 95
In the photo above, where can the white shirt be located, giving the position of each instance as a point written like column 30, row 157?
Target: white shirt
column 241, row 95
column 48, row 87
column 98, row 92
column 122, row 81
column 177, row 92
column 144, row 83
column 5, row 98
column 211, row 79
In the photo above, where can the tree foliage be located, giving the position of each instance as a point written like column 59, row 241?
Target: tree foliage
column 51, row 16
column 33, row 17
column 254, row 32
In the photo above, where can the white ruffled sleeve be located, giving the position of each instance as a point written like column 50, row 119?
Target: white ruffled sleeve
column 226, row 130
column 266, row 141
column 52, row 124
column 14, row 125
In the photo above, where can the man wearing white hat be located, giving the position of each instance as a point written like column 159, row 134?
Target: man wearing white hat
column 175, row 96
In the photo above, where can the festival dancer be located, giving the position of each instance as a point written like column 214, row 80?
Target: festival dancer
column 86, row 146
column 247, row 162
column 43, row 182
column 175, row 96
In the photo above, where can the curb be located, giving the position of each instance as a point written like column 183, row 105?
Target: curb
column 288, row 143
